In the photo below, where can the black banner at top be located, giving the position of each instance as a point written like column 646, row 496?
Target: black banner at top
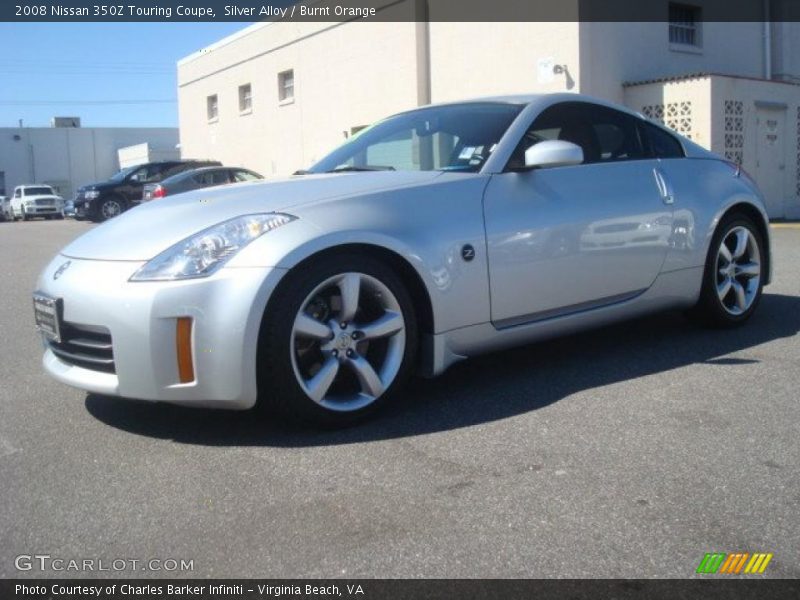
column 396, row 10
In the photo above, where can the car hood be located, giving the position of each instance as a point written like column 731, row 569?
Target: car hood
column 143, row 232
column 100, row 185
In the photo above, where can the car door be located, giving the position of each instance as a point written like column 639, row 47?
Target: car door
column 573, row 238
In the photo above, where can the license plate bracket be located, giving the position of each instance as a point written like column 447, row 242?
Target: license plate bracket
column 47, row 314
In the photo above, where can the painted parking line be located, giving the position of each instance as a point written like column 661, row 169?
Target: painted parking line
column 785, row 225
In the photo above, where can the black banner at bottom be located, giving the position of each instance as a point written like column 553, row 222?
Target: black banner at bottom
column 371, row 589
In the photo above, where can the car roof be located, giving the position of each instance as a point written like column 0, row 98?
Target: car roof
column 191, row 173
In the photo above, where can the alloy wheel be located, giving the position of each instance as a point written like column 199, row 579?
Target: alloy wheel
column 738, row 270
column 348, row 341
column 110, row 209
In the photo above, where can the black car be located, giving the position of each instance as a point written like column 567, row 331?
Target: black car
column 196, row 179
column 101, row 201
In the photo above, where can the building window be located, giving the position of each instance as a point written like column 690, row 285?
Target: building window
column 286, row 86
column 212, row 108
column 684, row 24
column 245, row 98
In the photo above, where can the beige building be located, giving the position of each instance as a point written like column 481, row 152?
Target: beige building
column 275, row 97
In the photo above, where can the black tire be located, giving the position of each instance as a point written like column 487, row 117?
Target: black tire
column 279, row 390
column 25, row 216
column 710, row 309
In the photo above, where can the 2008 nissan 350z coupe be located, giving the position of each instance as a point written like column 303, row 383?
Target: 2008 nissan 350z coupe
column 434, row 235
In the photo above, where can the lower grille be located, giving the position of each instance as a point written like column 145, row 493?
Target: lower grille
column 86, row 347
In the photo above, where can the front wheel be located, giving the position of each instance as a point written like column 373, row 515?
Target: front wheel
column 339, row 339
column 109, row 208
column 733, row 279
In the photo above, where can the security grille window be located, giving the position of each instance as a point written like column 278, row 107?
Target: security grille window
column 245, row 98
column 212, row 108
column 684, row 25
column 286, row 85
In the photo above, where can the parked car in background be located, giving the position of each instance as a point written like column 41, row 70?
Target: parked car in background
column 5, row 209
column 107, row 199
column 69, row 208
column 438, row 234
column 197, row 179
column 35, row 200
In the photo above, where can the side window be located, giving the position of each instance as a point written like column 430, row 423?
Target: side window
column 221, row 177
column 604, row 134
column 145, row 174
column 660, row 143
column 171, row 169
column 204, row 178
column 17, row 193
column 244, row 176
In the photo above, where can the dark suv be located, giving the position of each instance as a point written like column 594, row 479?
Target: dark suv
column 101, row 201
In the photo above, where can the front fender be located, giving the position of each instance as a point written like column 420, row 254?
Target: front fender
column 427, row 228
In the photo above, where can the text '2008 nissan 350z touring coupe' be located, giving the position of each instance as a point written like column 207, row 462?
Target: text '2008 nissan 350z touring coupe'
column 432, row 236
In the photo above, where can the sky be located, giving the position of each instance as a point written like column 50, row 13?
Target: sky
column 89, row 69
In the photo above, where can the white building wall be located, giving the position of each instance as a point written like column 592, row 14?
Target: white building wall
column 69, row 157
column 614, row 53
column 345, row 76
column 751, row 122
column 684, row 106
column 485, row 59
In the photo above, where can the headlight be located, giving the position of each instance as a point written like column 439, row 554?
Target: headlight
column 91, row 194
column 30, row 203
column 203, row 253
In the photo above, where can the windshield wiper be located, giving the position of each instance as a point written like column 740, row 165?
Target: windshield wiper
column 351, row 169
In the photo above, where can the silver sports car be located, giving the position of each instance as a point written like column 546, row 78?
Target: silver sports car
column 432, row 236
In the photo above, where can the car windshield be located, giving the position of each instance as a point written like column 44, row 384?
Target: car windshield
column 39, row 191
column 455, row 137
column 123, row 173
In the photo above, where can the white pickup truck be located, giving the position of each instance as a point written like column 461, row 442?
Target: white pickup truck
column 31, row 201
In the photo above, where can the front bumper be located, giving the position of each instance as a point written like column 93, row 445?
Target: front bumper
column 141, row 318
column 82, row 207
column 42, row 210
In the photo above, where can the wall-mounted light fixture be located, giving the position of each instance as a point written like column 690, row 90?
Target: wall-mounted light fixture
column 564, row 70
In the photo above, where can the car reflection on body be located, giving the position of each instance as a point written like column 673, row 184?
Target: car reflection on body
column 433, row 236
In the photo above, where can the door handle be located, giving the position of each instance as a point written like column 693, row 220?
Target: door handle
column 663, row 190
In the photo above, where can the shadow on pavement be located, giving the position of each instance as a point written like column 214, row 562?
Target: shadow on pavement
column 483, row 389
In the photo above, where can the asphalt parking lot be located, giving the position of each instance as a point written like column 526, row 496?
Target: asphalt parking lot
column 629, row 451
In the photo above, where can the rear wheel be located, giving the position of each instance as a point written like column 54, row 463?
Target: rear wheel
column 340, row 340
column 734, row 278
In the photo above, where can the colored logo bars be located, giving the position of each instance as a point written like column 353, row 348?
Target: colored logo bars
column 734, row 564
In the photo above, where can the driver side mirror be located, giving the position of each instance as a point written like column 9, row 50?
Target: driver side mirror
column 553, row 153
